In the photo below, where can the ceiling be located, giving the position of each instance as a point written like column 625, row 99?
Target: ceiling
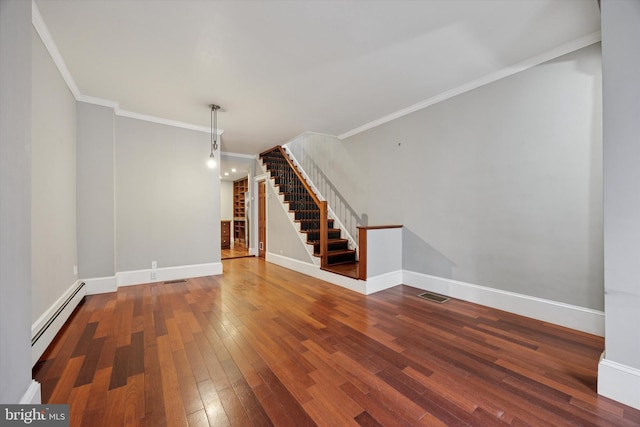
column 279, row 68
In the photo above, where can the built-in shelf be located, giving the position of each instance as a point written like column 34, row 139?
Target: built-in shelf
column 240, row 187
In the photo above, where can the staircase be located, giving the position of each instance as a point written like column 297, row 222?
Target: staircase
column 311, row 214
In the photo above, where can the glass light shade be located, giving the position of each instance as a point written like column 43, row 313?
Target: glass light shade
column 211, row 162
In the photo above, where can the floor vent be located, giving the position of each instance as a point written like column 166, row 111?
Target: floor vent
column 171, row 282
column 434, row 297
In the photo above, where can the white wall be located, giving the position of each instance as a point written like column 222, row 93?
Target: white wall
column 15, row 200
column 167, row 200
column 500, row 186
column 53, row 183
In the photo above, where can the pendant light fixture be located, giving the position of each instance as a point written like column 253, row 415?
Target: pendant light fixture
column 211, row 162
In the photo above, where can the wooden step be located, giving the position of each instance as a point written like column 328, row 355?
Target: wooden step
column 302, row 205
column 312, row 224
column 342, row 256
column 332, row 233
column 333, row 244
column 306, row 213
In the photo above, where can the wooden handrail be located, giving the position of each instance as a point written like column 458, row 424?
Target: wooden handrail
column 322, row 205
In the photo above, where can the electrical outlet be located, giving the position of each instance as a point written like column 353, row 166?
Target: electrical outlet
column 154, row 264
column 153, row 275
column 75, row 270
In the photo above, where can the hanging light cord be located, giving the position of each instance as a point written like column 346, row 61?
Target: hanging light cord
column 214, row 128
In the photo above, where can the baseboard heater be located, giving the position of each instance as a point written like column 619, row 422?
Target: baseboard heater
column 55, row 315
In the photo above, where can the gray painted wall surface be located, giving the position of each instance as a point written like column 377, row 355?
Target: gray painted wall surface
column 95, row 191
column 621, row 68
column 167, row 200
column 500, row 186
column 15, row 199
column 53, row 185
column 282, row 238
column 226, row 200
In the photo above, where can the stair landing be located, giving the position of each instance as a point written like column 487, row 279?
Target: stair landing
column 349, row 269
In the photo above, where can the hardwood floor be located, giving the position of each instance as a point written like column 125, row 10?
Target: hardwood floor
column 238, row 250
column 262, row 345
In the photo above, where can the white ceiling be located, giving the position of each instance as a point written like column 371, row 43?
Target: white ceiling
column 279, row 68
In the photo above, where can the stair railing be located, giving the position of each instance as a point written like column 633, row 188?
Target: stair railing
column 321, row 204
column 348, row 214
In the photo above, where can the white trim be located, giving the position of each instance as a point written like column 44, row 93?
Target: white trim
column 315, row 271
column 383, row 281
column 98, row 101
column 138, row 277
column 101, row 285
column 306, row 132
column 619, row 382
column 567, row 315
column 43, row 31
column 564, row 49
column 244, row 156
column 49, row 334
column 168, row 122
column 32, row 396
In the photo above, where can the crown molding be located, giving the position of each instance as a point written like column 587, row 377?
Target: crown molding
column 43, row 32
column 98, row 101
column 564, row 49
column 163, row 121
column 243, row 156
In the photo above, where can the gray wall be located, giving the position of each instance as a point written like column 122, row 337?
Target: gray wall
column 95, row 191
column 167, row 200
column 621, row 68
column 15, row 199
column 226, row 200
column 500, row 186
column 282, row 238
column 53, row 182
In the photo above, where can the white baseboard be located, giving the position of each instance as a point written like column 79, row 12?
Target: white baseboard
column 33, row 395
column 315, row 271
column 571, row 316
column 138, row 277
column 54, row 318
column 383, row 281
column 619, row 382
column 101, row 285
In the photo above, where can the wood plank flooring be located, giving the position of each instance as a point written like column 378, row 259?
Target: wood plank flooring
column 238, row 250
column 262, row 345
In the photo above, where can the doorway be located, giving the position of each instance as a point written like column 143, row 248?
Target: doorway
column 234, row 203
column 262, row 219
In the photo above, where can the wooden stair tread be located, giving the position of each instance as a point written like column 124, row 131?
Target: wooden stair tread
column 341, row 252
column 338, row 254
column 316, row 230
column 335, row 240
